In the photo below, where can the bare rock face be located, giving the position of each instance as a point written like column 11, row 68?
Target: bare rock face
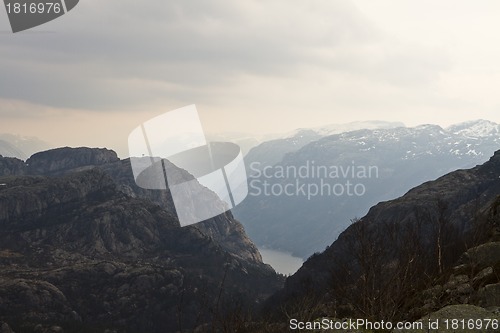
column 475, row 280
column 60, row 160
column 443, row 317
column 27, row 199
column 11, row 166
column 222, row 229
column 82, row 248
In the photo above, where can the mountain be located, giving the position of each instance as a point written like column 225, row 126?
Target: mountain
column 19, row 146
column 83, row 249
column 476, row 129
column 11, row 166
column 306, row 199
column 7, row 149
column 352, row 126
column 272, row 151
column 430, row 251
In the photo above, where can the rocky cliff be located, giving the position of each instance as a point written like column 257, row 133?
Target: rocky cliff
column 82, row 248
column 425, row 239
column 58, row 161
column 11, row 166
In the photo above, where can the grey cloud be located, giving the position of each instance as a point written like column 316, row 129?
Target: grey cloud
column 191, row 45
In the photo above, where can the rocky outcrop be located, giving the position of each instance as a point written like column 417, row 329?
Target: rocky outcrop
column 60, row 160
column 474, row 279
column 442, row 321
column 223, row 229
column 90, row 251
column 11, row 167
column 25, row 200
column 7, row 149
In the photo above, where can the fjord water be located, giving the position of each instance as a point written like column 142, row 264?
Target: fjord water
column 282, row 262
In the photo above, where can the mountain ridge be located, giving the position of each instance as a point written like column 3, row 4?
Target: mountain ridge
column 403, row 156
column 441, row 215
column 82, row 248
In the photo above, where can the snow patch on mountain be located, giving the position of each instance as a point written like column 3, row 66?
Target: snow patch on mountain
column 342, row 128
column 476, row 129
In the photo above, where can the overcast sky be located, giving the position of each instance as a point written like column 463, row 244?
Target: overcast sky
column 94, row 74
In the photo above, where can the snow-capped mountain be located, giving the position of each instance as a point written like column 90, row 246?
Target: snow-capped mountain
column 401, row 158
column 349, row 127
column 476, row 129
column 480, row 139
column 272, row 151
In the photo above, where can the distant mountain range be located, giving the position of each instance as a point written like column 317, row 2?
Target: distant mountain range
column 19, row 146
column 399, row 158
column 272, row 151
